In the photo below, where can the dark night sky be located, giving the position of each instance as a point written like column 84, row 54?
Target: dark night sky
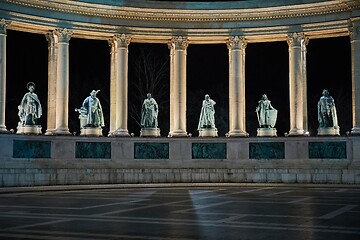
column 329, row 66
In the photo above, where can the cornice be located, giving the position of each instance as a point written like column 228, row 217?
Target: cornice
column 191, row 16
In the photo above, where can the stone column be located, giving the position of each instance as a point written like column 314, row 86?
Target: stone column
column 179, row 45
column 3, row 25
column 297, row 85
column 53, row 42
column 355, row 74
column 119, row 85
column 62, row 82
column 304, row 76
column 172, row 54
column 237, row 119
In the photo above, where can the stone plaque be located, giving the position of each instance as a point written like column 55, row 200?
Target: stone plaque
column 209, row 151
column 329, row 150
column 151, row 150
column 93, row 150
column 31, row 149
column 266, row 150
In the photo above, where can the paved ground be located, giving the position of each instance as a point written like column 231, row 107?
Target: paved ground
column 242, row 212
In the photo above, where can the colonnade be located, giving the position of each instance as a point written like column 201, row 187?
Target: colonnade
column 58, row 82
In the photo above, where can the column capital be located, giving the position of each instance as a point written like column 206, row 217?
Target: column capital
column 179, row 43
column 236, row 42
column 3, row 25
column 51, row 38
column 354, row 32
column 120, row 40
column 63, row 34
column 297, row 39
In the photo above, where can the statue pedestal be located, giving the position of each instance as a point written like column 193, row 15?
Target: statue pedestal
column 91, row 131
column 330, row 131
column 29, row 129
column 211, row 132
column 266, row 132
column 150, row 132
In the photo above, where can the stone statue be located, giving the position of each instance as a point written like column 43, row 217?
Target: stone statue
column 207, row 115
column 327, row 112
column 30, row 108
column 149, row 113
column 266, row 113
column 91, row 108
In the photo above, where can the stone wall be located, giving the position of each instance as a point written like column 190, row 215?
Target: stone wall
column 60, row 160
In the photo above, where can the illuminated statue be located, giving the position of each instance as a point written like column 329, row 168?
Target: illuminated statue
column 91, row 108
column 266, row 114
column 207, row 115
column 149, row 113
column 327, row 111
column 30, row 108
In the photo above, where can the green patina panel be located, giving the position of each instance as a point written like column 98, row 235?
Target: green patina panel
column 330, row 150
column 31, row 149
column 209, row 151
column 267, row 150
column 93, row 150
column 151, row 150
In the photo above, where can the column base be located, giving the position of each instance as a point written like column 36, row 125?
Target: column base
column 266, row 132
column 3, row 130
column 62, row 131
column 178, row 133
column 237, row 133
column 355, row 131
column 330, row 131
column 296, row 133
column 91, row 131
column 150, row 132
column 119, row 133
column 29, row 129
column 212, row 132
column 50, row 132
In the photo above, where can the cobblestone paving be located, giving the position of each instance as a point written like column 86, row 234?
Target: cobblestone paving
column 251, row 212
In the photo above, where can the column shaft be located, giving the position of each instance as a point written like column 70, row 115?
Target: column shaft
column 3, row 26
column 62, row 82
column 52, row 68
column 113, row 64
column 237, row 114
column 355, row 73
column 120, row 84
column 297, row 84
column 171, row 89
column 178, row 93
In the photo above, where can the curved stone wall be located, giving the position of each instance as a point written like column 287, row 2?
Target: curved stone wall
column 151, row 21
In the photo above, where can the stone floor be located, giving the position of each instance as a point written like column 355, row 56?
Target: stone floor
column 219, row 212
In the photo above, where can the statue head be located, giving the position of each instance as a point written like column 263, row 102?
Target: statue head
column 264, row 97
column 148, row 95
column 93, row 93
column 207, row 97
column 325, row 93
column 30, row 86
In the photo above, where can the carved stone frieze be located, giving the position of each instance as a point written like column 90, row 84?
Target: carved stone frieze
column 236, row 42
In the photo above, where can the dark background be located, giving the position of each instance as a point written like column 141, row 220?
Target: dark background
column 267, row 71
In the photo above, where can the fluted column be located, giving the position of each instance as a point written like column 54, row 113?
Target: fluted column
column 62, row 82
column 297, row 83
column 355, row 75
column 3, row 25
column 53, row 42
column 119, row 85
column 237, row 115
column 304, row 77
column 179, row 45
column 172, row 54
